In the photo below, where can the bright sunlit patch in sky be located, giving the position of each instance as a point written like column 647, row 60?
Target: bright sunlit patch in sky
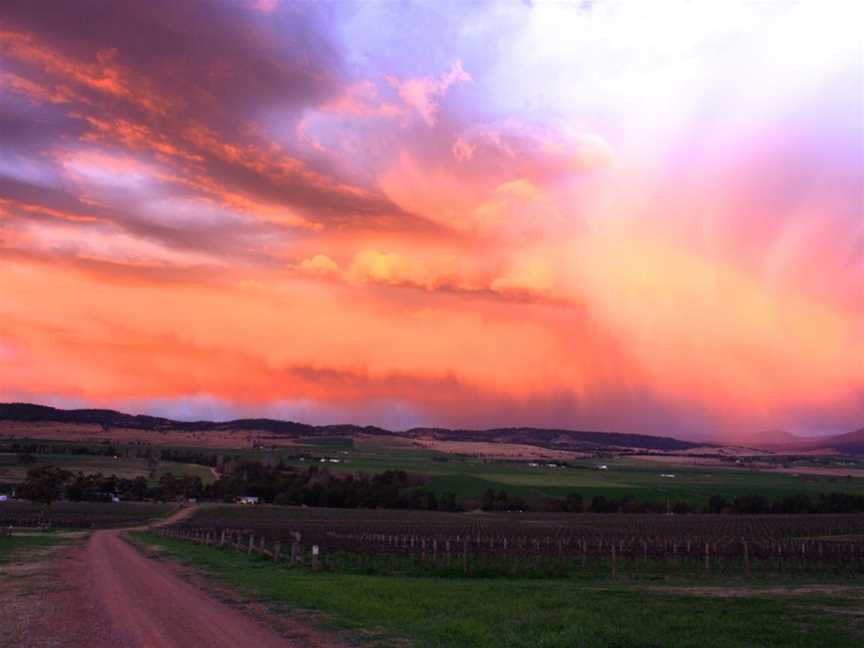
column 627, row 216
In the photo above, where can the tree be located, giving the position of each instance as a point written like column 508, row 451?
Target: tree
column 749, row 504
column 573, row 503
column 488, row 503
column 681, row 508
column 599, row 504
column 717, row 503
column 44, row 484
column 448, row 502
column 132, row 489
column 799, row 503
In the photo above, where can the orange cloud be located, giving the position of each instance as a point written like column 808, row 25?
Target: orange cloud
column 732, row 342
column 319, row 265
column 278, row 236
column 528, row 277
column 522, row 189
column 166, row 332
column 15, row 207
column 37, row 92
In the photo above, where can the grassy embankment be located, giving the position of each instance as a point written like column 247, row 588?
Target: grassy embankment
column 548, row 613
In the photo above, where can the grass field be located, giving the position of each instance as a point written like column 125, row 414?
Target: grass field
column 125, row 467
column 551, row 613
column 470, row 477
column 11, row 547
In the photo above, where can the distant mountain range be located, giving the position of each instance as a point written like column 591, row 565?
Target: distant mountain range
column 577, row 440
column 558, row 439
column 778, row 440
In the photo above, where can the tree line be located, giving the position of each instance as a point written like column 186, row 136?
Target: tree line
column 316, row 486
column 47, row 484
column 391, row 489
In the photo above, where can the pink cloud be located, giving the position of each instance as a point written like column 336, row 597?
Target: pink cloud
column 266, row 6
column 423, row 94
column 362, row 99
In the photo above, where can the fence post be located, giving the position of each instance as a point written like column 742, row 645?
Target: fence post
column 315, row 551
column 614, row 563
column 251, row 543
column 465, row 555
column 277, row 549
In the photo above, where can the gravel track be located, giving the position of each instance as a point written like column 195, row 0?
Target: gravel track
column 109, row 595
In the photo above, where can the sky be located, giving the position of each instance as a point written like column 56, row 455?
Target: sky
column 625, row 216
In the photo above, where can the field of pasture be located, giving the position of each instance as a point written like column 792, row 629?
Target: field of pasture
column 654, row 479
column 646, row 478
column 13, row 472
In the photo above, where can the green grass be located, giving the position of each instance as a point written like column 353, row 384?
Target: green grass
column 551, row 613
column 336, row 443
column 14, row 546
column 469, row 477
column 177, row 469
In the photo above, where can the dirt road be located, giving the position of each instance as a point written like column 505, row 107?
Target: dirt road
column 115, row 597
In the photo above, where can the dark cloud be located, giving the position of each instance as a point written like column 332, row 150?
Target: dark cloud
column 220, row 57
column 182, row 85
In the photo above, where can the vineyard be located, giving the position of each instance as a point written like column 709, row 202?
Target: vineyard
column 80, row 515
column 508, row 545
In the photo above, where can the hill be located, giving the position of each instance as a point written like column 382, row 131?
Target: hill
column 784, row 442
column 559, row 439
column 849, row 443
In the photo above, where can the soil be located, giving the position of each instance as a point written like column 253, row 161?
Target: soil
column 107, row 594
column 496, row 450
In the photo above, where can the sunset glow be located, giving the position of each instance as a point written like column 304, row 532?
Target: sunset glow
column 622, row 216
